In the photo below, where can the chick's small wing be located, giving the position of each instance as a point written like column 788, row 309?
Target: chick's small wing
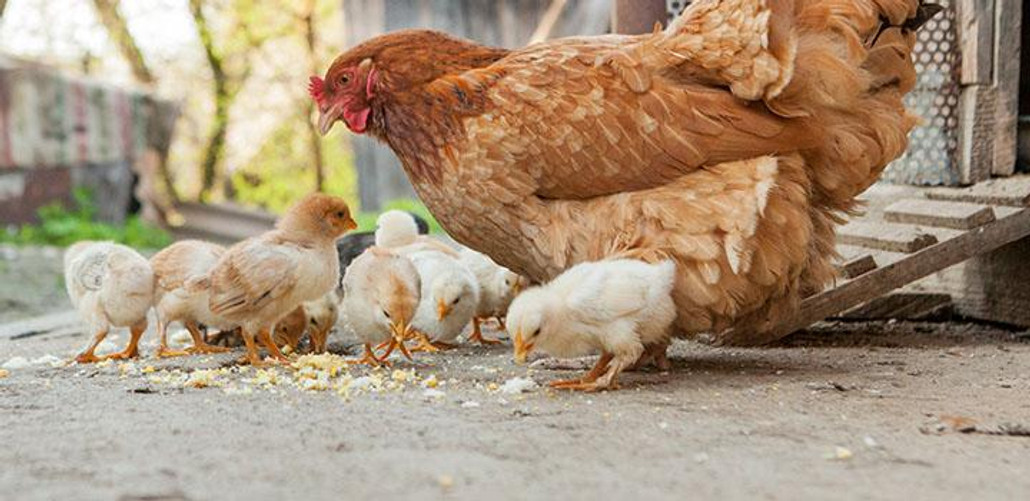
column 251, row 276
column 605, row 294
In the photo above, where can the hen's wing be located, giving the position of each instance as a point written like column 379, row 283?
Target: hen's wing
column 577, row 124
column 251, row 276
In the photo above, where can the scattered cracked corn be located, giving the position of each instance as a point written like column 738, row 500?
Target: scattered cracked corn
column 148, row 369
column 202, row 378
column 4, row 373
column 841, row 453
column 446, row 481
column 265, row 377
column 431, row 382
column 401, row 376
column 329, row 362
column 492, row 386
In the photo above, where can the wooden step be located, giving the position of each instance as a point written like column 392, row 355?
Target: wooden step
column 858, row 266
column 885, row 236
column 1012, row 191
column 956, row 215
column 901, row 306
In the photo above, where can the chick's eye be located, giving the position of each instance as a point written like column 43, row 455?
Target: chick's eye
column 340, row 214
column 456, row 300
column 386, row 314
column 536, row 332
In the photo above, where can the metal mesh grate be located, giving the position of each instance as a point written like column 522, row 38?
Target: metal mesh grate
column 674, row 7
column 931, row 156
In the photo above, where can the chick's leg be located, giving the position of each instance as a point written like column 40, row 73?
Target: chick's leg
column 266, row 339
column 477, row 333
column 162, row 348
column 199, row 344
column 423, row 342
column 87, row 356
column 609, row 379
column 132, row 350
column 252, row 352
column 369, row 358
column 599, row 369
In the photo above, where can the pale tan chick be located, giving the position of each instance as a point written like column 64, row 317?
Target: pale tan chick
column 321, row 315
column 262, row 279
column 110, row 285
column 173, row 267
column 498, row 286
column 615, row 307
column 289, row 330
column 381, row 292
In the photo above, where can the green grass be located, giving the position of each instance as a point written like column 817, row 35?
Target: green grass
column 61, row 226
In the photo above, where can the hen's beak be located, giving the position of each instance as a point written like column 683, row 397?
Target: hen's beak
column 522, row 348
column 442, row 309
column 328, row 117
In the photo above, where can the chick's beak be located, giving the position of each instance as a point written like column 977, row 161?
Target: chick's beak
column 442, row 309
column 350, row 224
column 522, row 348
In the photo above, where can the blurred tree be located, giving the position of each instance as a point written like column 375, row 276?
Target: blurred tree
column 3, row 5
column 310, row 31
column 248, row 25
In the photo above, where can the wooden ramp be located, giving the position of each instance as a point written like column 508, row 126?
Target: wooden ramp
column 917, row 237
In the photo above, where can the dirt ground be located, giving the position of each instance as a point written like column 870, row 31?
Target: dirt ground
column 846, row 411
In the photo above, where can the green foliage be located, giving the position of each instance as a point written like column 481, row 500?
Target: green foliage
column 282, row 173
column 62, row 227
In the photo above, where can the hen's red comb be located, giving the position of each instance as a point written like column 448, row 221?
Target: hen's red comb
column 316, row 87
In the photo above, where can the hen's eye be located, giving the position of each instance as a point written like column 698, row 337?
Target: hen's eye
column 345, row 79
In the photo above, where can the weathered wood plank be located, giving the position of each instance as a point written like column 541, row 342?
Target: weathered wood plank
column 923, row 263
column 858, row 266
column 976, row 133
column 957, row 215
column 976, row 40
column 901, row 306
column 885, row 236
column 1013, row 191
column 1008, row 24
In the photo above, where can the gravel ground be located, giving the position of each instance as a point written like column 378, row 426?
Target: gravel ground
column 847, row 411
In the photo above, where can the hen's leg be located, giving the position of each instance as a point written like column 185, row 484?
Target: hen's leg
column 199, row 344
column 266, row 339
column 477, row 333
column 87, row 356
column 132, row 349
column 599, row 368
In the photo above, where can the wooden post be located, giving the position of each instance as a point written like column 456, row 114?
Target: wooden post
column 632, row 17
column 977, row 102
column 1008, row 30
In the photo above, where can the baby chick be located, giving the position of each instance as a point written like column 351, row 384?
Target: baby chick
column 110, row 285
column 289, row 330
column 615, row 307
column 497, row 287
column 353, row 244
column 320, row 316
column 399, row 231
column 260, row 280
column 173, row 267
column 450, row 296
column 381, row 291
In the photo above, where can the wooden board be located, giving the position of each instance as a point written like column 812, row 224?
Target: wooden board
column 1012, row 191
column 956, row 215
column 1008, row 23
column 901, row 306
column 885, row 236
column 937, row 257
column 857, row 266
column 976, row 40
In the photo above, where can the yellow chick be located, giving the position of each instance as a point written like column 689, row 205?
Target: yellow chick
column 321, row 317
column 381, row 292
column 614, row 307
column 290, row 329
column 398, row 231
column 110, row 285
column 262, row 279
column 173, row 267
column 498, row 286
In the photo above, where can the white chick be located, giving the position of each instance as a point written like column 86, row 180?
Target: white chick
column 262, row 279
column 173, row 267
column 615, row 307
column 450, row 296
column 398, row 231
column 381, row 291
column 110, row 285
column 497, row 287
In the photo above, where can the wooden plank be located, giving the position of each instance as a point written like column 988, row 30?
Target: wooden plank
column 957, row 215
column 632, row 17
column 1013, row 191
column 923, row 263
column 1008, row 24
column 900, row 306
column 885, row 236
column 976, row 40
column 858, row 266
column 975, row 135
column 39, row 325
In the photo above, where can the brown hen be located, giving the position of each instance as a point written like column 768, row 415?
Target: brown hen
column 733, row 141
